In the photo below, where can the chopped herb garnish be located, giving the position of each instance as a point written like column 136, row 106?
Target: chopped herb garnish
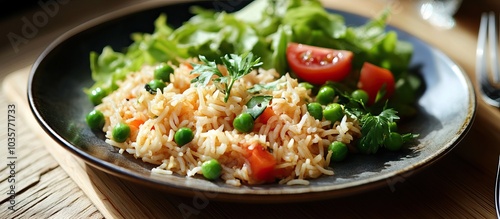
column 375, row 122
column 375, row 129
column 237, row 67
column 257, row 105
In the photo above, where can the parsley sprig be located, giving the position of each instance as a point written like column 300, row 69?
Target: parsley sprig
column 374, row 130
column 237, row 66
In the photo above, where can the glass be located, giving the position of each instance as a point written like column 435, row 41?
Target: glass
column 439, row 12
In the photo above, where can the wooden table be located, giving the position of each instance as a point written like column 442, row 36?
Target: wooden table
column 50, row 182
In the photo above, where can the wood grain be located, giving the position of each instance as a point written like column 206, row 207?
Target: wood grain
column 37, row 174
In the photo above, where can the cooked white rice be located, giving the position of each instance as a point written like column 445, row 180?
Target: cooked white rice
column 297, row 141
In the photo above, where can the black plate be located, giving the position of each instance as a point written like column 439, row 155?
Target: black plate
column 56, row 97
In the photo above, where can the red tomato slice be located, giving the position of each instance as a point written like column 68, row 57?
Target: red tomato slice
column 318, row 65
column 373, row 78
column 262, row 163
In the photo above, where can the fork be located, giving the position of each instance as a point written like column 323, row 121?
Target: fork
column 490, row 92
column 497, row 190
column 488, row 40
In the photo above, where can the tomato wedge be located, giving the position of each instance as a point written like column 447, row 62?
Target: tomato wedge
column 262, row 163
column 318, row 65
column 374, row 79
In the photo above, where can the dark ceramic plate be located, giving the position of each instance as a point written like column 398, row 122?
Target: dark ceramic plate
column 60, row 74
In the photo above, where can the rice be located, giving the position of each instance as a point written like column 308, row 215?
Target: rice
column 296, row 140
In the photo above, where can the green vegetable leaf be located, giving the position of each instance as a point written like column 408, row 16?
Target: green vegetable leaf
column 111, row 66
column 206, row 71
column 264, row 27
column 269, row 86
column 257, row 104
column 237, row 67
column 375, row 129
column 375, row 120
column 409, row 136
column 279, row 44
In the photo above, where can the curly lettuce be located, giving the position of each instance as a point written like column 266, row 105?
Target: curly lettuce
column 213, row 34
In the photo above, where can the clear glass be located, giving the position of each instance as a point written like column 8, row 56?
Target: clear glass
column 439, row 12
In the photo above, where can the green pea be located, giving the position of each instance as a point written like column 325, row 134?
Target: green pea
column 154, row 85
column 393, row 126
column 316, row 110
column 326, row 95
column 244, row 122
column 211, row 169
column 393, row 142
column 120, row 132
column 95, row 119
column 339, row 151
column 333, row 112
column 96, row 95
column 183, row 136
column 406, row 90
column 163, row 71
column 360, row 95
column 306, row 85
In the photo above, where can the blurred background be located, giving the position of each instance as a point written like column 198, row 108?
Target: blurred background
column 39, row 22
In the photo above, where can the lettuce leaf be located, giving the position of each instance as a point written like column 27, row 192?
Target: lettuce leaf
column 266, row 34
column 111, row 66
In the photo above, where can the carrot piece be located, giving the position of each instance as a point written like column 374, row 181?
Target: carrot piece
column 188, row 65
column 266, row 115
column 136, row 123
column 262, row 163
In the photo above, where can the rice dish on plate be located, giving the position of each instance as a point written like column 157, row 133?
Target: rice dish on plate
column 297, row 141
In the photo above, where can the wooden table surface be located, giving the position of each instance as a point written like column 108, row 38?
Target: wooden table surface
column 51, row 183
